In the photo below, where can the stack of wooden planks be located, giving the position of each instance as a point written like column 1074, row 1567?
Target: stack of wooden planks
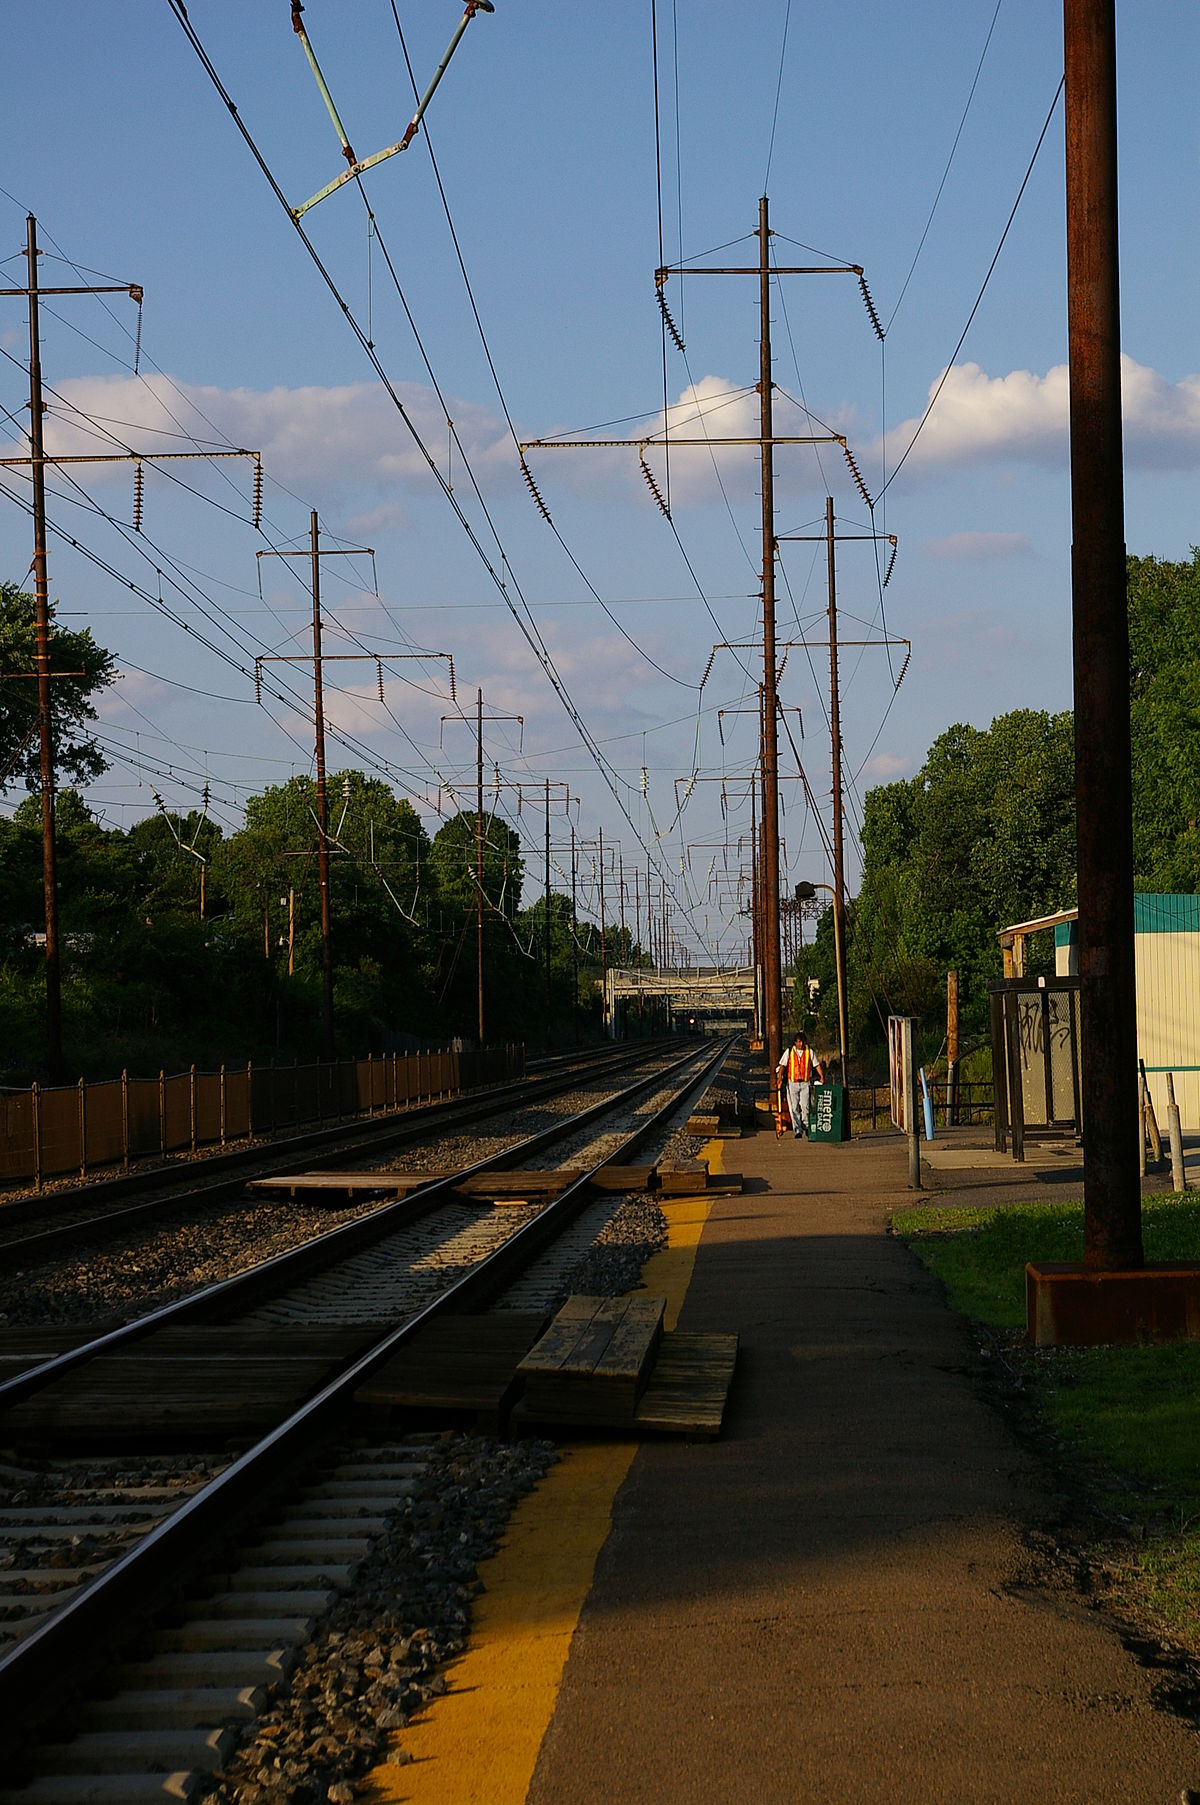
column 593, row 1362
column 344, row 1187
column 607, row 1362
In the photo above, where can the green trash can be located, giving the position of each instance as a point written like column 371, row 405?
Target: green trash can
column 829, row 1113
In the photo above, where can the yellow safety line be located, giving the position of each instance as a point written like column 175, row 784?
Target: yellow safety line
column 478, row 1744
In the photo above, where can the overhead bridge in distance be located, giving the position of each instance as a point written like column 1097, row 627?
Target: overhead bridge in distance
column 718, row 997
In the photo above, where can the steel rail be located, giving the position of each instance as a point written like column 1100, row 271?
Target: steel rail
column 270, row 1276
column 34, row 1672
column 292, row 1152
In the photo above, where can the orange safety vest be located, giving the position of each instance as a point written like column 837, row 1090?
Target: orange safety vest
column 800, row 1065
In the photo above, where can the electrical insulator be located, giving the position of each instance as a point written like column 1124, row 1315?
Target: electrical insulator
column 379, row 674
column 856, row 473
column 258, row 682
column 668, row 322
column 888, row 573
column 535, row 491
column 139, row 487
column 652, row 485
column 258, row 487
column 870, row 307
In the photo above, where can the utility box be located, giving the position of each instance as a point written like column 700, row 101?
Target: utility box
column 829, row 1113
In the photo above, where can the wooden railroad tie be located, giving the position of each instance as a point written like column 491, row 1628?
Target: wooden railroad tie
column 344, row 1187
column 457, row 1365
column 209, row 1379
column 519, row 1187
column 708, row 1126
column 603, row 1363
column 594, row 1359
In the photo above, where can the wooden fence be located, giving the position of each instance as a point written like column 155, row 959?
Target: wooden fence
column 47, row 1133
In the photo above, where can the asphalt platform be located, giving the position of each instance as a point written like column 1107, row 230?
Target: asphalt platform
column 839, row 1599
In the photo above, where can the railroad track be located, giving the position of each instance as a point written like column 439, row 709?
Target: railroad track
column 71, row 1216
column 314, row 1336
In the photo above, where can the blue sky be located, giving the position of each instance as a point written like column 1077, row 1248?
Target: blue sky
column 544, row 134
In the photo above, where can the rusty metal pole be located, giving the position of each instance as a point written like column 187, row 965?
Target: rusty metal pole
column 839, row 869
column 42, row 659
column 603, row 946
column 754, row 953
column 574, row 946
column 547, row 914
column 1103, row 778
column 770, row 754
column 322, row 806
column 479, row 860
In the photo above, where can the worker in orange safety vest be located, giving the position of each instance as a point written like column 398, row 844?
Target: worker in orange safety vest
column 797, row 1069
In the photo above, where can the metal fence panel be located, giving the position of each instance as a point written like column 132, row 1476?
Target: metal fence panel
column 58, row 1131
column 145, row 1128
column 237, row 1104
column 105, row 1117
column 17, row 1153
column 46, row 1133
column 177, row 1112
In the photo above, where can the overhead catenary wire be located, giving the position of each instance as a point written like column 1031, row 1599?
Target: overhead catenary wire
column 532, row 637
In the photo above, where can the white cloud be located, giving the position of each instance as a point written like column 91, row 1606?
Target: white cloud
column 978, row 548
column 318, row 440
column 1022, row 417
column 886, row 767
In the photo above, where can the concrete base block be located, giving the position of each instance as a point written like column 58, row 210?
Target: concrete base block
column 1068, row 1307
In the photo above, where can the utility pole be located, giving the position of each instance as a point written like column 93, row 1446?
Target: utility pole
column 621, row 883
column 766, row 441
column 839, row 875
column 42, row 660
column 322, row 803
column 830, row 539
column 38, row 461
column 479, row 859
column 574, row 944
column 547, row 917
column 770, row 775
column 480, row 900
column 603, row 946
column 314, row 554
column 551, row 783
column 757, row 887
column 1103, row 765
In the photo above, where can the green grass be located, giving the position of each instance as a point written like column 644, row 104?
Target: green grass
column 1131, row 1414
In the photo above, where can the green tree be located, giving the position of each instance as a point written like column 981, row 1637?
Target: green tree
column 380, row 890
column 983, row 835
column 1164, row 681
column 453, row 868
column 82, row 668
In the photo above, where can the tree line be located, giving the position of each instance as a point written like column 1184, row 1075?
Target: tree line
column 182, row 944
column 984, row 834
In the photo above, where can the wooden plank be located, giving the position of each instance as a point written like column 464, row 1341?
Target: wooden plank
column 693, row 1179
column 689, row 1386
column 629, row 1353
column 623, row 1178
column 525, row 1185
column 594, row 1359
column 686, row 1179
column 563, row 1335
column 461, row 1363
column 346, row 1184
column 685, row 1394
